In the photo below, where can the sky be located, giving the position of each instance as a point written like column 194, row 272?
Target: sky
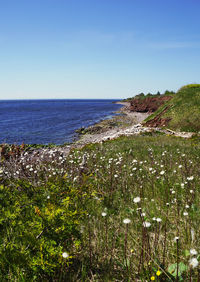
column 88, row 49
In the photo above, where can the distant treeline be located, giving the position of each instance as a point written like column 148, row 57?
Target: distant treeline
column 142, row 95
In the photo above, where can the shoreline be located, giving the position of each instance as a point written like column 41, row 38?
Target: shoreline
column 124, row 122
column 112, row 128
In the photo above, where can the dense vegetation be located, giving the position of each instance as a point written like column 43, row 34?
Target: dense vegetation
column 183, row 110
column 123, row 210
column 143, row 95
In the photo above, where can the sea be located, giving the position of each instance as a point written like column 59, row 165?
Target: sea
column 50, row 121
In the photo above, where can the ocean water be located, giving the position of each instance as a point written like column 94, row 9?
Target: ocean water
column 50, row 121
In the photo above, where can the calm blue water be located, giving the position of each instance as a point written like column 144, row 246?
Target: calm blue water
column 49, row 121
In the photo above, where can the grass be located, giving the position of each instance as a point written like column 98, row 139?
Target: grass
column 183, row 109
column 124, row 210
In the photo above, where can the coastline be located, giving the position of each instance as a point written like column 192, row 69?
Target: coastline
column 107, row 129
column 124, row 123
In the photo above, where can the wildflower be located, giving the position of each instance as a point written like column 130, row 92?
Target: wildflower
column 146, row 224
column 180, row 166
column 162, row 172
column 153, row 278
column 193, row 262
column 158, row 273
column 159, row 219
column 191, row 191
column 182, row 185
column 187, row 206
column 48, row 197
column 65, row 255
column 136, row 200
column 190, row 178
column 176, row 238
column 185, row 213
column 193, row 252
column 154, row 218
column 115, row 175
column 143, row 214
column 126, row 221
column 104, row 214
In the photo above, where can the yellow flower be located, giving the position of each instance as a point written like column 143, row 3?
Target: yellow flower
column 153, row 278
column 158, row 273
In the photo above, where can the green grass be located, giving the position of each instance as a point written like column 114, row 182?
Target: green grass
column 80, row 208
column 184, row 110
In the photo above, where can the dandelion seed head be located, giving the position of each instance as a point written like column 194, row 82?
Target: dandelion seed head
column 193, row 252
column 190, row 178
column 193, row 262
column 126, row 221
column 65, row 255
column 136, row 200
column 146, row 224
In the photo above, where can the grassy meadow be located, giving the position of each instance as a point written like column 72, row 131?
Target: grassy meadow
column 182, row 109
column 123, row 210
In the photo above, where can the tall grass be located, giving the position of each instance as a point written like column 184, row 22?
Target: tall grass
column 134, row 213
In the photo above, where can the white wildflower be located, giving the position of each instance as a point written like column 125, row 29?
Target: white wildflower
column 136, row 200
column 104, row 214
column 180, row 166
column 146, row 224
column 193, row 252
column 159, row 219
column 193, row 262
column 185, row 213
column 162, row 172
column 65, row 255
column 176, row 238
column 126, row 221
column 143, row 214
column 190, row 178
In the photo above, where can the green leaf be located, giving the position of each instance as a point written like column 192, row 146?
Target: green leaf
column 181, row 268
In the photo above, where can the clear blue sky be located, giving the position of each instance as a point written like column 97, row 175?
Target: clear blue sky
column 97, row 48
